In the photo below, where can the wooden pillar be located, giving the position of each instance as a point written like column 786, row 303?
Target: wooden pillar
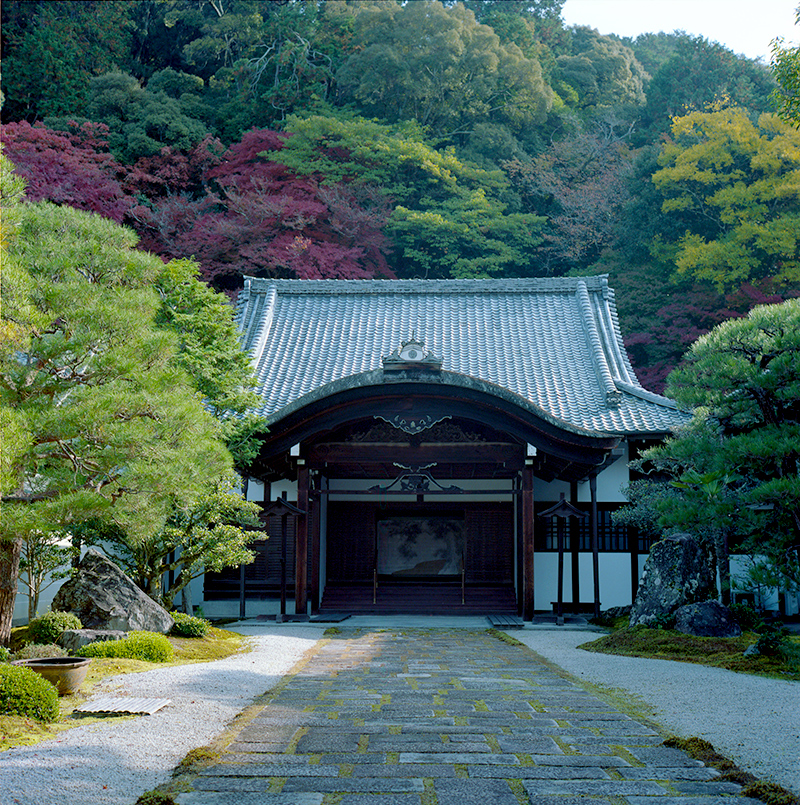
column 301, row 544
column 527, row 542
column 575, row 544
column 242, row 580
column 284, row 540
column 595, row 546
column 315, row 514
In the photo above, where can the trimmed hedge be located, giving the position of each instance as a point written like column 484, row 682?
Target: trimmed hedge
column 40, row 651
column 25, row 693
column 147, row 646
column 47, row 628
column 189, row 625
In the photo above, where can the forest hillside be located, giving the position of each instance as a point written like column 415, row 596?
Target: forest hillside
column 378, row 138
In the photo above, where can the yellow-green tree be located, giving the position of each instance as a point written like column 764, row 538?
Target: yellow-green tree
column 733, row 186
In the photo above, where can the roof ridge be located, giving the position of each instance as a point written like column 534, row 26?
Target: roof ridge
column 600, row 362
column 405, row 286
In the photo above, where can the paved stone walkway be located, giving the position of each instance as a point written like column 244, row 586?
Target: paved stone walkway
column 434, row 717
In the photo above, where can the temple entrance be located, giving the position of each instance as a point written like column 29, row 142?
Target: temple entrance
column 420, row 557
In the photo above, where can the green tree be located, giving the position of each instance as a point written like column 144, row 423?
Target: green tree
column 108, row 424
column 436, row 65
column 738, row 464
column 51, row 50
column 209, row 350
column 44, row 561
column 142, row 120
column 208, row 531
column 732, row 186
column 449, row 217
column 786, row 69
column 601, row 70
column 692, row 74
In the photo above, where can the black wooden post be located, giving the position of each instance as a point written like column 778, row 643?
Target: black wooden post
column 560, row 604
column 575, row 545
column 595, row 547
column 242, row 597
column 283, row 509
column 562, row 510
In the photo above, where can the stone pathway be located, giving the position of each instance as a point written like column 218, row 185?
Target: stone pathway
column 434, row 717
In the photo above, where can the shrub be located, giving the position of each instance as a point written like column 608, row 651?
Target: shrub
column 48, row 627
column 772, row 642
column 147, row 646
column 5, row 654
column 747, row 617
column 663, row 621
column 189, row 625
column 25, row 693
column 40, row 651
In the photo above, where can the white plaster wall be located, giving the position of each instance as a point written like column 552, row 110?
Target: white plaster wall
column 609, row 484
column 615, row 579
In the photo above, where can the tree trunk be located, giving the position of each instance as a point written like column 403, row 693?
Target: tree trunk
column 723, row 565
column 10, row 552
column 186, row 599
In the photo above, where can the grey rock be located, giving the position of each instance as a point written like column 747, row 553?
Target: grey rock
column 103, row 597
column 73, row 639
column 706, row 619
column 617, row 612
column 752, row 651
column 677, row 572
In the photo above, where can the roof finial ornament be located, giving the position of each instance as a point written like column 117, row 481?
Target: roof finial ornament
column 412, row 354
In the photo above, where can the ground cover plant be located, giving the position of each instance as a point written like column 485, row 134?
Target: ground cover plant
column 22, row 730
column 717, row 652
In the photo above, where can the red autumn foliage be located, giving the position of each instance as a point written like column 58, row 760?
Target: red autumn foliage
column 263, row 220
column 73, row 168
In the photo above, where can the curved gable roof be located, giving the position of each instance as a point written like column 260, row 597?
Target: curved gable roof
column 555, row 343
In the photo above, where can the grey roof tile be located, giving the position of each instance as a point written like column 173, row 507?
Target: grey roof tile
column 554, row 342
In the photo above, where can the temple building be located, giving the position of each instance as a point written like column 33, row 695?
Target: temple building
column 441, row 446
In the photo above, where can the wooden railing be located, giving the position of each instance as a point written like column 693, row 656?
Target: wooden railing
column 375, row 578
column 463, row 578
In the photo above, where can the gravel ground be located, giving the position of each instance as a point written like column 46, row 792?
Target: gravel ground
column 113, row 762
column 752, row 720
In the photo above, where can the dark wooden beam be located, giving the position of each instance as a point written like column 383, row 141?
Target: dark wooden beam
column 443, row 453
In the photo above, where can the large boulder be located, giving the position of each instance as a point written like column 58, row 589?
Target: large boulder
column 103, row 597
column 706, row 619
column 73, row 639
column 676, row 572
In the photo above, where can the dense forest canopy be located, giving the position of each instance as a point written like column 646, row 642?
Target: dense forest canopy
column 379, row 138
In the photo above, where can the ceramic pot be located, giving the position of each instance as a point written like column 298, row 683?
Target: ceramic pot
column 66, row 673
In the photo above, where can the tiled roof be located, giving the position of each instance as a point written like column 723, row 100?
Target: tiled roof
column 554, row 343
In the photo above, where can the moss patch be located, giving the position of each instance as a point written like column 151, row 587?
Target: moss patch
column 717, row 652
column 770, row 793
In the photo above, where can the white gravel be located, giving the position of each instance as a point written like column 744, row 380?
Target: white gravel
column 754, row 721
column 113, row 762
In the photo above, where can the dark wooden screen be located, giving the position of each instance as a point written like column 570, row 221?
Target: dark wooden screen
column 262, row 576
column 488, row 538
